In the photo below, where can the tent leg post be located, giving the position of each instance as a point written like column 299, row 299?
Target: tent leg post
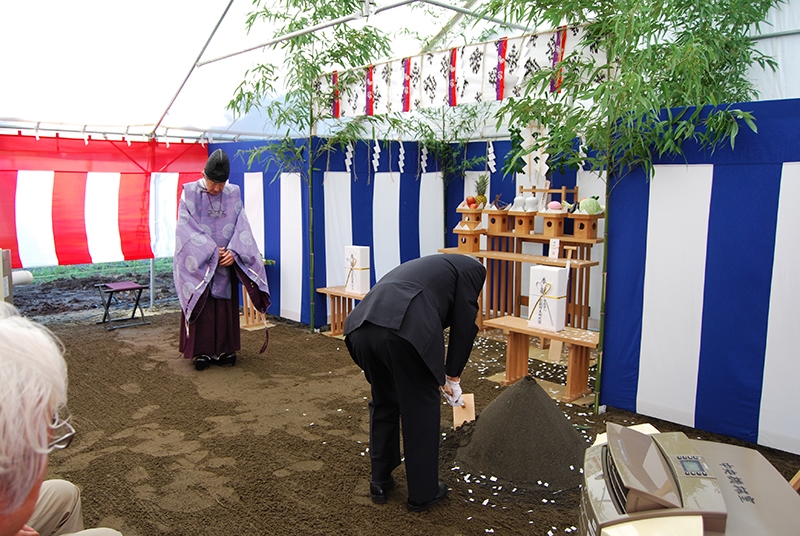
column 152, row 280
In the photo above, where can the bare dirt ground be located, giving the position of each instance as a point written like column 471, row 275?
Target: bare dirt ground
column 277, row 444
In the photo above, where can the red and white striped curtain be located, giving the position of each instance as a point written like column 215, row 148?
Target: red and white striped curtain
column 66, row 201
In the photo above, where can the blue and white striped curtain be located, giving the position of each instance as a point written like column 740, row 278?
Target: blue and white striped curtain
column 702, row 281
column 399, row 209
column 703, row 286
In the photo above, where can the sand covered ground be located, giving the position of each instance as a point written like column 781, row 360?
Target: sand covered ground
column 278, row 444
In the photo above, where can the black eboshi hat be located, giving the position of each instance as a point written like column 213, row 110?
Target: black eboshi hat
column 218, row 167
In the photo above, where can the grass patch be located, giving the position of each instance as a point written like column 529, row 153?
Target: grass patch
column 46, row 274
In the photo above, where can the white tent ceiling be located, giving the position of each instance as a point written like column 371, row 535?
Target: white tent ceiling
column 117, row 66
column 111, row 67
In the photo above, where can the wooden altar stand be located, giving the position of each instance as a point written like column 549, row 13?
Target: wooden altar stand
column 342, row 302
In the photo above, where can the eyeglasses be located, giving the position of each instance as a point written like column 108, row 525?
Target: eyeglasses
column 63, row 432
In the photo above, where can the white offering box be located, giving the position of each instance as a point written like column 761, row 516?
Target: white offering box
column 356, row 269
column 547, row 305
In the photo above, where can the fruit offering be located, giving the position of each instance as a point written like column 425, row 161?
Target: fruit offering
column 591, row 205
column 480, row 186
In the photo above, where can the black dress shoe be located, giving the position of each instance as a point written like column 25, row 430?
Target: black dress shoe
column 226, row 359
column 202, row 362
column 379, row 490
column 420, row 506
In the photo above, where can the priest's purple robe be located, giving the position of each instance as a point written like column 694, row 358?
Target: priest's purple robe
column 208, row 293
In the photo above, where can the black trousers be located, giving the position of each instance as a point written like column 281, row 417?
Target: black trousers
column 403, row 390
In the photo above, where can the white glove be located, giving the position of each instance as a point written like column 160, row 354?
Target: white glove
column 454, row 387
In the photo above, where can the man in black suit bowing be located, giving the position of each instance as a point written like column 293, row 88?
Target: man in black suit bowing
column 395, row 334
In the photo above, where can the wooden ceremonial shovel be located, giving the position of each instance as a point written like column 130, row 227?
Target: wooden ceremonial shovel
column 466, row 413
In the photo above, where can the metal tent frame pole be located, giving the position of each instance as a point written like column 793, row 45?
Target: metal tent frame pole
column 200, row 55
column 366, row 11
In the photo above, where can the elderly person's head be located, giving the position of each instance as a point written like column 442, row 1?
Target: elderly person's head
column 33, row 389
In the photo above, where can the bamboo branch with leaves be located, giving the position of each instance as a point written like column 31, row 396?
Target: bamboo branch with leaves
column 674, row 55
column 306, row 58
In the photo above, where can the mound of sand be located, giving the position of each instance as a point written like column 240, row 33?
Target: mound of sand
column 523, row 437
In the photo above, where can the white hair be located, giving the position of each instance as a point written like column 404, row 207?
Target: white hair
column 33, row 387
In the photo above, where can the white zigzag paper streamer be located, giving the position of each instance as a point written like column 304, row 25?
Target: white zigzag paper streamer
column 401, row 161
column 348, row 157
column 376, row 156
column 490, row 158
column 423, row 161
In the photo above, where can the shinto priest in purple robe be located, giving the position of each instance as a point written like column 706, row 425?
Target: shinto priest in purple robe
column 208, row 292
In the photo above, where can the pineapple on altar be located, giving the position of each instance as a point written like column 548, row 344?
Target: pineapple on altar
column 471, row 226
column 481, row 184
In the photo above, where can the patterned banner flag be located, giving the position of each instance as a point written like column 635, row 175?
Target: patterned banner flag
column 472, row 72
column 435, row 79
column 453, row 81
column 406, row 84
column 559, row 45
column 335, row 83
column 501, row 68
column 480, row 72
column 370, row 110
